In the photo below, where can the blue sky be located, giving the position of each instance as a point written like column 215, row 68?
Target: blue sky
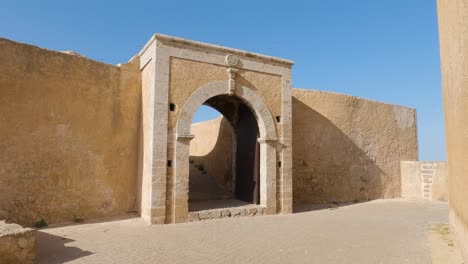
column 384, row 50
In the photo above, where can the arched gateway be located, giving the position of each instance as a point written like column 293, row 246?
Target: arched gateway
column 268, row 140
column 178, row 76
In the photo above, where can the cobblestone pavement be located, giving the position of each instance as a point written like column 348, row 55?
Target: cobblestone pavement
column 381, row 231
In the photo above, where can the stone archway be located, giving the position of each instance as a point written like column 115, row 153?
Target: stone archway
column 267, row 140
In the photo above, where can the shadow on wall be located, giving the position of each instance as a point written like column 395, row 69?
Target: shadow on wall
column 211, row 164
column 327, row 165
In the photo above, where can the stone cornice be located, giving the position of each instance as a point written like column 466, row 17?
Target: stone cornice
column 175, row 40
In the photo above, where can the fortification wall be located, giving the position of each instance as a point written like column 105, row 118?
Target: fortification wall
column 347, row 148
column 69, row 135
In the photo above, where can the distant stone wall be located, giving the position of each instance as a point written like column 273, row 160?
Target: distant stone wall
column 69, row 135
column 347, row 148
column 424, row 180
column 212, row 148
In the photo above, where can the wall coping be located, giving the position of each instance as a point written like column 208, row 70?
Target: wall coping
column 177, row 40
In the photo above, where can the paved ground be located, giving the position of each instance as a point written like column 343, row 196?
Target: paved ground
column 382, row 231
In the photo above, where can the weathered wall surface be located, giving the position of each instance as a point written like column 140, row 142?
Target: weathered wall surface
column 16, row 244
column 212, row 146
column 69, row 135
column 453, row 28
column 346, row 148
column 424, row 180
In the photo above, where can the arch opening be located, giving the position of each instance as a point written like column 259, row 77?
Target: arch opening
column 224, row 155
column 215, row 94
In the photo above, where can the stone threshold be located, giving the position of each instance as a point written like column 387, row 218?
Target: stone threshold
column 219, row 213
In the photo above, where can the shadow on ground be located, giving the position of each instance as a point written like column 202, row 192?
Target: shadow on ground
column 106, row 219
column 306, row 207
column 52, row 249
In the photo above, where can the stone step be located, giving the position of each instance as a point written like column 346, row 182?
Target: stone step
column 226, row 213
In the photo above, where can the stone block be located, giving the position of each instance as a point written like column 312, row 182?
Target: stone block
column 225, row 213
column 16, row 243
column 235, row 212
column 252, row 211
column 244, row 212
column 216, row 214
column 193, row 216
column 204, row 215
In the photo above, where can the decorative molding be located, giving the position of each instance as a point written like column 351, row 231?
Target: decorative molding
column 204, row 55
column 232, row 80
column 175, row 40
column 232, row 60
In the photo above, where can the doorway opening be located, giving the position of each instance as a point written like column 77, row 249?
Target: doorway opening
column 224, row 156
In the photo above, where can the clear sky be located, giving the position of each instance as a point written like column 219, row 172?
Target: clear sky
column 384, row 50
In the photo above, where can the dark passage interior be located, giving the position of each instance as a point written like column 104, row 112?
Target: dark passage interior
column 247, row 157
column 224, row 157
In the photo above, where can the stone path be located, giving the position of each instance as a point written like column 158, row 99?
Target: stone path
column 382, row 231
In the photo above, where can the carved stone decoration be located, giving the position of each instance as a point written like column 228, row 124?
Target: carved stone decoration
column 231, row 60
column 232, row 80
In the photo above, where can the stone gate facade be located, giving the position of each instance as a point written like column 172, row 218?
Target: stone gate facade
column 178, row 77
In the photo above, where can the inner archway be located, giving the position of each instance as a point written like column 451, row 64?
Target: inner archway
column 224, row 155
column 179, row 189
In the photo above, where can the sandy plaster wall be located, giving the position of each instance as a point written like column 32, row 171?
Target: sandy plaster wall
column 426, row 180
column 453, row 27
column 347, row 148
column 69, row 135
column 212, row 146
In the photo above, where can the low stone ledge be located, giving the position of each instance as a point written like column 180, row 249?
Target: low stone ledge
column 226, row 213
column 16, row 243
